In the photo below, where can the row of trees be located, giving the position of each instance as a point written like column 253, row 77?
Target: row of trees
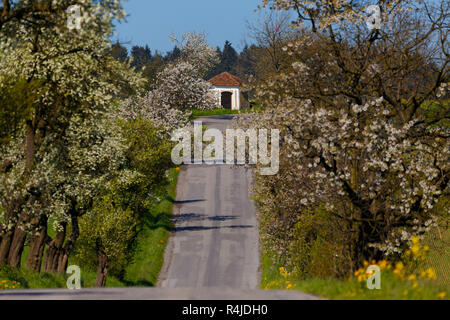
column 253, row 61
column 84, row 145
column 364, row 120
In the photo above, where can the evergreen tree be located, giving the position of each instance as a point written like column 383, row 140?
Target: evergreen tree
column 246, row 62
column 152, row 68
column 141, row 56
column 229, row 57
column 173, row 55
column 229, row 60
column 119, row 52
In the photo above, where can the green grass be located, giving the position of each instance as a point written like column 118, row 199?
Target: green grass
column 152, row 241
column 392, row 287
column 214, row 112
column 26, row 279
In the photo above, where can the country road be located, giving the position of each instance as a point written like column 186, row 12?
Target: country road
column 215, row 243
column 213, row 252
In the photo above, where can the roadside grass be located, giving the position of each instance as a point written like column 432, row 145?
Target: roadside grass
column 392, row 287
column 153, row 239
column 220, row 112
column 214, row 112
column 144, row 270
column 12, row 278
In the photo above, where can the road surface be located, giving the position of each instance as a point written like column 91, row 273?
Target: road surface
column 215, row 242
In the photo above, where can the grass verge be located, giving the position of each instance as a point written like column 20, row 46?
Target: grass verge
column 12, row 278
column 152, row 241
column 392, row 287
column 214, row 112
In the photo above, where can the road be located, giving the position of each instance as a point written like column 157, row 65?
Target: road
column 213, row 252
column 215, row 243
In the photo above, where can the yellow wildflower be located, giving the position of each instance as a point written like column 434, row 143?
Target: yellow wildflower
column 382, row 264
column 430, row 274
column 442, row 295
column 412, row 277
column 415, row 240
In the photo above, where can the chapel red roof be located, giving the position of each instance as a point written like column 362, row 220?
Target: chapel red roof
column 225, row 79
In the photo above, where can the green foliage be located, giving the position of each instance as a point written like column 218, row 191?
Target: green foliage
column 110, row 229
column 147, row 152
column 151, row 70
column 152, row 240
column 17, row 97
column 435, row 113
column 119, row 52
column 228, row 60
column 140, row 56
column 320, row 247
column 123, row 211
column 318, row 244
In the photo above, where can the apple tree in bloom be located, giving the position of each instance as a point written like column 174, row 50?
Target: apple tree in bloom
column 359, row 138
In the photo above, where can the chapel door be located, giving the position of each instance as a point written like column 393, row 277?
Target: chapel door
column 226, row 100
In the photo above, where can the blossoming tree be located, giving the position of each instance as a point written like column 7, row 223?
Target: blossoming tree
column 78, row 80
column 358, row 139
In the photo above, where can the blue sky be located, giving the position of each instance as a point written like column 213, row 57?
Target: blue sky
column 152, row 21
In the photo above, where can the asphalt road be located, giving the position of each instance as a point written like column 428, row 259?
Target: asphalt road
column 213, row 252
column 215, row 242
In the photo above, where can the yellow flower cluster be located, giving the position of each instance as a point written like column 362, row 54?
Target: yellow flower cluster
column 417, row 252
column 6, row 284
column 285, row 282
column 361, row 274
column 407, row 272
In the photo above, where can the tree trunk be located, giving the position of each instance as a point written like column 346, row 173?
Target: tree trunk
column 37, row 245
column 16, row 248
column 4, row 247
column 102, row 269
column 70, row 244
column 54, row 250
